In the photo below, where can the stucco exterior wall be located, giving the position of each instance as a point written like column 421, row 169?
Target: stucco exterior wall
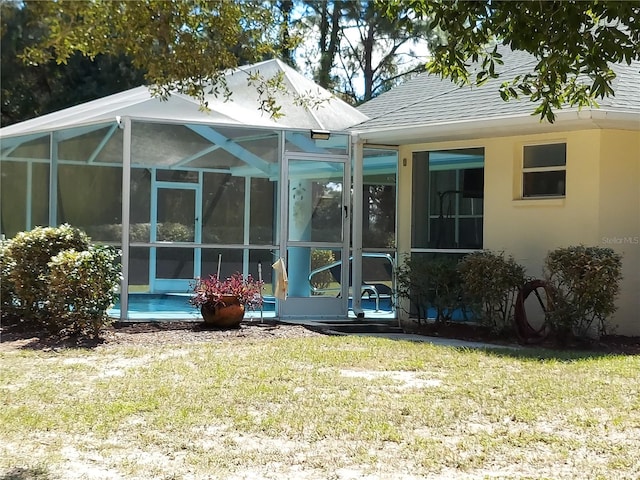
column 529, row 228
column 601, row 205
column 620, row 218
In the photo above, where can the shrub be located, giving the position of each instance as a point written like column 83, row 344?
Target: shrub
column 106, row 232
column 175, row 232
column 586, row 281
column 81, row 287
column 321, row 258
column 429, row 283
column 138, row 232
column 31, row 253
column 491, row 284
column 9, row 304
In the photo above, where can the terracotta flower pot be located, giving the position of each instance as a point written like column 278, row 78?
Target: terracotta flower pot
column 228, row 315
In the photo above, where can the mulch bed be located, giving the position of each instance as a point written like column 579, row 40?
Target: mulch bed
column 163, row 333
column 148, row 333
column 614, row 344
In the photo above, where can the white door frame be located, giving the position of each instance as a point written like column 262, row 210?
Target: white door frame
column 316, row 307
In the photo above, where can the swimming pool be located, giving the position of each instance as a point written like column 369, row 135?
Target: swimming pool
column 173, row 306
column 176, row 306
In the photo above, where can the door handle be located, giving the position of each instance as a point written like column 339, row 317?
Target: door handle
column 346, row 211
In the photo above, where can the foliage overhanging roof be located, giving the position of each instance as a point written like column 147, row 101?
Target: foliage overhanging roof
column 324, row 112
column 426, row 106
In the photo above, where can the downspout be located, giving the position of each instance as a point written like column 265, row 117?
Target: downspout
column 126, row 203
column 356, row 237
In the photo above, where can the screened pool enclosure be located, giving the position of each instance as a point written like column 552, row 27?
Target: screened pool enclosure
column 185, row 193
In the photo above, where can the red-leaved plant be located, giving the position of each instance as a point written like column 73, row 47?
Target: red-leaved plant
column 211, row 291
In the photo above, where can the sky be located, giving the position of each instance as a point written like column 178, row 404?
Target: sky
column 307, row 54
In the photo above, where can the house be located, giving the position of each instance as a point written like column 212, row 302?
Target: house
column 428, row 168
column 478, row 172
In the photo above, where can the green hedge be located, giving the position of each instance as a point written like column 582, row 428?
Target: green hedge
column 82, row 287
column 56, row 278
column 430, row 282
column 585, row 281
column 491, row 284
column 31, row 253
column 9, row 303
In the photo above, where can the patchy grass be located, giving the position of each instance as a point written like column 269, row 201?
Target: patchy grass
column 317, row 408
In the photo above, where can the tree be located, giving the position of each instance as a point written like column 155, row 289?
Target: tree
column 286, row 40
column 375, row 51
column 32, row 90
column 322, row 19
column 360, row 52
column 186, row 45
column 183, row 46
column 574, row 42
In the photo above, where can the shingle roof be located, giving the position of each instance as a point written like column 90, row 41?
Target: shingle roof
column 626, row 87
column 427, row 99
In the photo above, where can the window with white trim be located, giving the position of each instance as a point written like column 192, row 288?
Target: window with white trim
column 544, row 170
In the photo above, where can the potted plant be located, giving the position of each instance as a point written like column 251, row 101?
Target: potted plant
column 222, row 302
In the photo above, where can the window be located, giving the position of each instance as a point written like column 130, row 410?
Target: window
column 379, row 203
column 448, row 191
column 544, row 170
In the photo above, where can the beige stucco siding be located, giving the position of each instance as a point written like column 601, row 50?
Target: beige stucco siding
column 602, row 202
column 620, row 217
column 529, row 228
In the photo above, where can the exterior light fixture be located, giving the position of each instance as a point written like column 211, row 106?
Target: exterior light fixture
column 320, row 134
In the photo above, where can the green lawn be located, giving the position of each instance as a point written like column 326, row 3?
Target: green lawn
column 317, row 408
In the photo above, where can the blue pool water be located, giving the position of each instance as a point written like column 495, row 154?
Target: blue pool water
column 148, row 306
column 457, row 315
column 143, row 306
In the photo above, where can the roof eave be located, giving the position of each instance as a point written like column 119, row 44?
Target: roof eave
column 500, row 126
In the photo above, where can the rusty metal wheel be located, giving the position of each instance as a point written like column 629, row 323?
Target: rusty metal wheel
column 543, row 292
